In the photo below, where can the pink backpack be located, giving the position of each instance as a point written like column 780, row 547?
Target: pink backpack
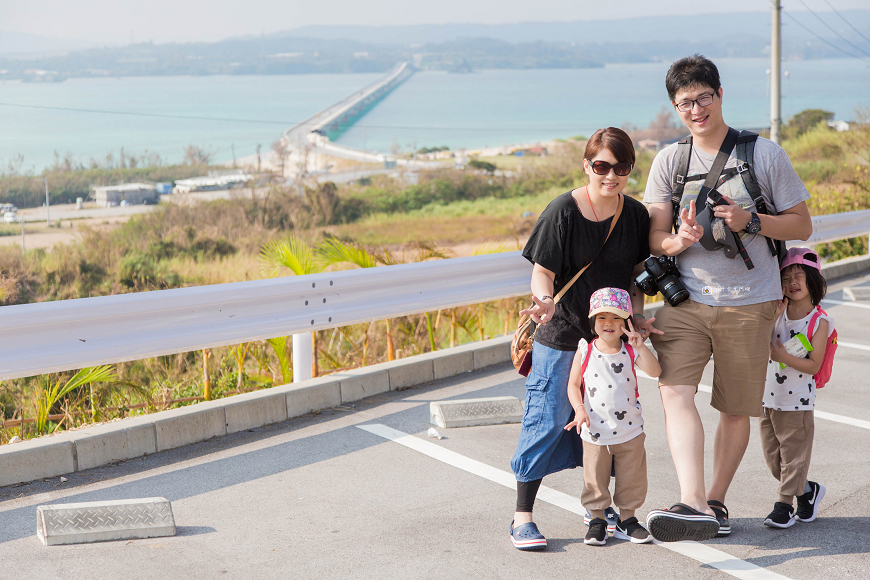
column 628, row 349
column 824, row 375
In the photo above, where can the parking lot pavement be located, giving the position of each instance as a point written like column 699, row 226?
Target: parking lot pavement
column 329, row 496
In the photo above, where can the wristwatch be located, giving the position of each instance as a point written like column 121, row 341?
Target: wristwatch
column 754, row 225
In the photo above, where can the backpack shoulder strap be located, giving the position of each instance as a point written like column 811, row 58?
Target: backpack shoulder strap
column 681, row 173
column 814, row 322
column 630, row 350
column 746, row 169
column 583, row 369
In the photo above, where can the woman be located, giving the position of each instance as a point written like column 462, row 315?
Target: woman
column 570, row 234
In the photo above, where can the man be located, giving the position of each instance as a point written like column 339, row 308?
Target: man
column 731, row 308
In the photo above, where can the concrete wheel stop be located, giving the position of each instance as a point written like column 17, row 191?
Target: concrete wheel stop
column 473, row 412
column 101, row 521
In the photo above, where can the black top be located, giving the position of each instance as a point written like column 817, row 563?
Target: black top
column 564, row 241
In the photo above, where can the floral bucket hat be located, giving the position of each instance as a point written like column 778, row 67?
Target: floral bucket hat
column 615, row 300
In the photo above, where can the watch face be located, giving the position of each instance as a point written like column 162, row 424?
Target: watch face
column 754, row 226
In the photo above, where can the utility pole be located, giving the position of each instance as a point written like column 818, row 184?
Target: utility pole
column 47, row 222
column 775, row 76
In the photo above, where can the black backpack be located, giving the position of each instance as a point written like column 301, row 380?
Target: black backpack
column 745, row 168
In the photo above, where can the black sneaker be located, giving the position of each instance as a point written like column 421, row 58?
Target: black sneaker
column 721, row 513
column 597, row 534
column 808, row 503
column 631, row 530
column 609, row 515
column 782, row 516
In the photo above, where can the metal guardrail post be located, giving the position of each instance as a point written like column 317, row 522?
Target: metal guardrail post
column 302, row 357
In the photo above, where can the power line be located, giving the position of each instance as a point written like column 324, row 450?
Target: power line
column 267, row 122
column 847, row 22
column 834, row 46
column 843, row 38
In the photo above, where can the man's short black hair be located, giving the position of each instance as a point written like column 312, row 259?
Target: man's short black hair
column 690, row 72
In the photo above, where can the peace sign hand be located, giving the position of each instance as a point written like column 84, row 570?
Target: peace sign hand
column 690, row 231
column 635, row 338
column 541, row 311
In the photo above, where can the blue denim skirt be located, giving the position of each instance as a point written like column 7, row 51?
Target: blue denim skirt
column 545, row 447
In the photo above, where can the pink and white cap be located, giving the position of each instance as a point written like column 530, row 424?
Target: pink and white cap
column 801, row 256
column 615, row 300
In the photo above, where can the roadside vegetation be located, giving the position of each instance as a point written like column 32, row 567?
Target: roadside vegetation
column 488, row 208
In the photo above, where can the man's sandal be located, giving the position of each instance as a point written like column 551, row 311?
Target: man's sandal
column 681, row 522
column 722, row 515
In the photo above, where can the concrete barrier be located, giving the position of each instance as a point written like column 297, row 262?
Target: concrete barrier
column 72, row 451
column 846, row 267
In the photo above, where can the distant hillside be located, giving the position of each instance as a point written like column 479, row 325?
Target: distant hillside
column 18, row 43
column 647, row 30
column 351, row 49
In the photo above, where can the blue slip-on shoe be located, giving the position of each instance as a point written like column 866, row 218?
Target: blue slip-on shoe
column 527, row 537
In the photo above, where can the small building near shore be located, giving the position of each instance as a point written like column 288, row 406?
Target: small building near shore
column 132, row 193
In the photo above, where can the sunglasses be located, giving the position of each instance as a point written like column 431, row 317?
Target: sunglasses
column 622, row 168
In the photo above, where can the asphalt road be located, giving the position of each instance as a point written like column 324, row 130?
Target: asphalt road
column 320, row 497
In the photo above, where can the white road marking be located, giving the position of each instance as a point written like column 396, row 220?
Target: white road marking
column 819, row 414
column 702, row 553
column 853, row 345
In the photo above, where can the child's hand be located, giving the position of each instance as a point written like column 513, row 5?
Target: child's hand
column 580, row 417
column 777, row 352
column 781, row 305
column 635, row 339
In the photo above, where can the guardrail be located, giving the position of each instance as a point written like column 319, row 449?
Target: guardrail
column 71, row 334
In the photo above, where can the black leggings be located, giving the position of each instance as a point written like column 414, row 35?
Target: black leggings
column 526, row 493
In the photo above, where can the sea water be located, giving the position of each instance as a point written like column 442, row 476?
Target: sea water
column 484, row 108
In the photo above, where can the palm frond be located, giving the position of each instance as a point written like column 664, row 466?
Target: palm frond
column 489, row 247
column 293, row 254
column 334, row 251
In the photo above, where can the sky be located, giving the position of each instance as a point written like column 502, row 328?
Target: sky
column 123, row 21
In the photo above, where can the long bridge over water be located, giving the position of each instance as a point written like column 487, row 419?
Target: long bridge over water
column 317, row 133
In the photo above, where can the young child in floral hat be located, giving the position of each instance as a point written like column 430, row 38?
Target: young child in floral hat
column 602, row 389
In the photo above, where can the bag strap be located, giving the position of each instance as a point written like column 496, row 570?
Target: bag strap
column 722, row 156
column 564, row 289
column 814, row 322
column 681, row 175
column 630, row 350
column 583, row 370
column 746, row 169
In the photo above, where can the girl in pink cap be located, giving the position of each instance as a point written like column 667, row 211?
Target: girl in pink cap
column 603, row 390
column 797, row 350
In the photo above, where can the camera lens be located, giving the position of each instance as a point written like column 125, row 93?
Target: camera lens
column 673, row 290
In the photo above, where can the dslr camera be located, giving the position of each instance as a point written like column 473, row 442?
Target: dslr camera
column 660, row 274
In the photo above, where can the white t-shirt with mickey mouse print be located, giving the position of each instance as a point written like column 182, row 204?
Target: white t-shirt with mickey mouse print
column 611, row 397
column 788, row 389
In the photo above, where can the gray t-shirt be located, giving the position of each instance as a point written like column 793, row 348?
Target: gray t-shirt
column 710, row 276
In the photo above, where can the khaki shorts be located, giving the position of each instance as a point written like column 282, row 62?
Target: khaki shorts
column 738, row 337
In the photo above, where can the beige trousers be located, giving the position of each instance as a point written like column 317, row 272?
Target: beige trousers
column 629, row 462
column 787, row 442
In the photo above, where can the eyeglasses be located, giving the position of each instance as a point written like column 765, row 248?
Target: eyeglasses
column 622, row 168
column 703, row 101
